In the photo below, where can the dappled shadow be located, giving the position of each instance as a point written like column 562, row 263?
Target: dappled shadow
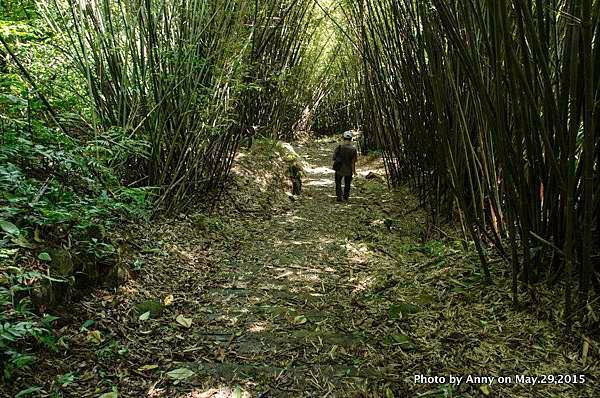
column 322, row 182
column 311, row 299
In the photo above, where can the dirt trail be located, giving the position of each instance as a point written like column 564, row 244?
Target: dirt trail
column 321, row 299
column 286, row 308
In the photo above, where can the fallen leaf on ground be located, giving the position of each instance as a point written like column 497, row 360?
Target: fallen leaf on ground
column 183, row 321
column 180, row 374
column 220, row 354
column 300, row 320
column 147, row 367
column 95, row 337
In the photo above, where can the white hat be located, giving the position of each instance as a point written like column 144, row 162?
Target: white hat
column 348, row 135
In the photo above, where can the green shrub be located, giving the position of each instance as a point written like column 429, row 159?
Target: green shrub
column 59, row 187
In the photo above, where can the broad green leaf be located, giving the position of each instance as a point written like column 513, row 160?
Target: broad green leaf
column 87, row 324
column 44, row 256
column 9, row 227
column 145, row 316
column 180, row 374
column 394, row 312
column 49, row 318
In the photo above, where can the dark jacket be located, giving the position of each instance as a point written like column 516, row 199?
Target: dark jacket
column 346, row 154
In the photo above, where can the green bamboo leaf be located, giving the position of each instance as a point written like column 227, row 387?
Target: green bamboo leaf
column 28, row 391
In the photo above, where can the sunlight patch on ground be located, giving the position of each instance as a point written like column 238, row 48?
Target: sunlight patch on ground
column 154, row 392
column 365, row 172
column 258, row 327
column 285, row 275
column 223, row 392
column 300, row 243
column 297, row 290
column 271, row 286
column 292, row 243
column 324, row 182
column 185, row 255
column 128, row 290
column 229, row 320
column 362, row 283
column 306, row 277
column 358, row 253
column 263, row 181
column 318, row 170
column 310, row 275
column 291, row 218
column 320, row 243
column 354, row 197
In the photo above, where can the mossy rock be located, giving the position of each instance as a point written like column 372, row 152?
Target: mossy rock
column 153, row 307
column 43, row 295
column 61, row 263
column 118, row 275
column 89, row 273
column 50, row 293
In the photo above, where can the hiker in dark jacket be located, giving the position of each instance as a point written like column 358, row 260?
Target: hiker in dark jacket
column 344, row 164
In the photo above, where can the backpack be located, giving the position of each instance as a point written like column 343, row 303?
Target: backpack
column 337, row 163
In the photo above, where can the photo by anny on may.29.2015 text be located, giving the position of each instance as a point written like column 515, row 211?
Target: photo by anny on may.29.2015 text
column 299, row 198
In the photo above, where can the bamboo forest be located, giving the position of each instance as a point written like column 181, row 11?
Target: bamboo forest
column 300, row 198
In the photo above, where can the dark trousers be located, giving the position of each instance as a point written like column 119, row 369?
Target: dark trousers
column 338, row 186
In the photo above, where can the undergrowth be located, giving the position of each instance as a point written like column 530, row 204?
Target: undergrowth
column 60, row 187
